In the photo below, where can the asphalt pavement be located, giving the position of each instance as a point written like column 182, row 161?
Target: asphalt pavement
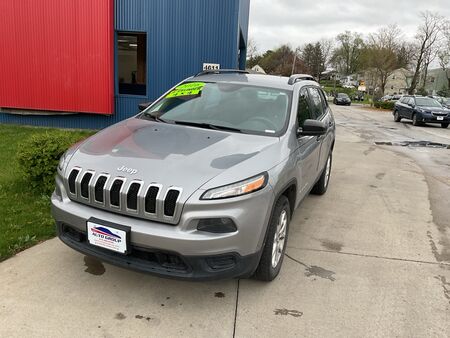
column 371, row 258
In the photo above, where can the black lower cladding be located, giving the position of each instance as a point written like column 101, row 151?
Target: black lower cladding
column 164, row 263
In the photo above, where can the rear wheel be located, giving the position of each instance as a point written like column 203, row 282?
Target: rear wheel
column 415, row 121
column 275, row 246
column 444, row 125
column 397, row 117
column 321, row 186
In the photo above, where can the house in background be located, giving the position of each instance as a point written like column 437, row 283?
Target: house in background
column 88, row 64
column 437, row 80
column 398, row 82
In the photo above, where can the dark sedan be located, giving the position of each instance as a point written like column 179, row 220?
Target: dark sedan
column 420, row 110
column 342, row 99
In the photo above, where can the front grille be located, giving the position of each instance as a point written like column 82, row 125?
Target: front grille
column 150, row 199
column 72, row 179
column 85, row 184
column 114, row 194
column 99, row 189
column 132, row 196
column 440, row 114
column 120, row 195
column 170, row 202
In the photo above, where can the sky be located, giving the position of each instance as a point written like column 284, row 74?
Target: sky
column 296, row 22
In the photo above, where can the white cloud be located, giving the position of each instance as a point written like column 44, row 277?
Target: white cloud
column 296, row 22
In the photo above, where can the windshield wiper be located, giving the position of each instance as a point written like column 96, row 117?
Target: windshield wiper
column 154, row 118
column 208, row 126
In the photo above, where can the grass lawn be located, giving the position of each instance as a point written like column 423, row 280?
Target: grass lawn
column 24, row 214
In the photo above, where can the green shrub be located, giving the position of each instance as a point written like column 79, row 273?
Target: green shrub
column 388, row 105
column 38, row 156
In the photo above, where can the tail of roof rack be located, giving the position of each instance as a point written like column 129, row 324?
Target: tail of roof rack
column 300, row 77
column 222, row 71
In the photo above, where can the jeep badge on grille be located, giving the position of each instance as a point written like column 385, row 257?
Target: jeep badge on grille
column 127, row 170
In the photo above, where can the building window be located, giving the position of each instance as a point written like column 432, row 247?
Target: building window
column 132, row 63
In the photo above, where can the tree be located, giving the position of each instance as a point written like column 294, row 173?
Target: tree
column 252, row 49
column 313, row 59
column 427, row 38
column 382, row 53
column 326, row 45
column 280, row 61
column 346, row 57
column 444, row 53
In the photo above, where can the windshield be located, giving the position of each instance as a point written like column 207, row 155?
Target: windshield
column 233, row 107
column 342, row 95
column 427, row 102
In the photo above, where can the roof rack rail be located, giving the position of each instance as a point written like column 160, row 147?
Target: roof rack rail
column 222, row 71
column 300, row 77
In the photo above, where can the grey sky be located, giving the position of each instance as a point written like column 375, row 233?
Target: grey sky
column 275, row 22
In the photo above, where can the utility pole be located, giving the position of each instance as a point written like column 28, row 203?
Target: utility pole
column 295, row 60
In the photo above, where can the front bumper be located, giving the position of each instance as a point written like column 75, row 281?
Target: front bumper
column 433, row 119
column 202, row 255
column 164, row 263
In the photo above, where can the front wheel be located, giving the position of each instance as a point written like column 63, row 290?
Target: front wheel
column 415, row 120
column 275, row 246
column 444, row 125
column 321, row 186
column 397, row 117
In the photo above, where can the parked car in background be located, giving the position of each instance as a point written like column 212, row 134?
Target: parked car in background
column 420, row 110
column 342, row 99
column 358, row 96
column 393, row 98
column 203, row 183
column 446, row 102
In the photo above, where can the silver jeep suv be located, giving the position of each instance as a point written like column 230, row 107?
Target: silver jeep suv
column 202, row 184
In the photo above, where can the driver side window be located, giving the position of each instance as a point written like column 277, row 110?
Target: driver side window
column 303, row 110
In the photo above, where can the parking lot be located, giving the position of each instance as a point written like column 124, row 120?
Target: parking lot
column 369, row 258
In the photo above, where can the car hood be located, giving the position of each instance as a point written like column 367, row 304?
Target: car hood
column 167, row 154
column 434, row 109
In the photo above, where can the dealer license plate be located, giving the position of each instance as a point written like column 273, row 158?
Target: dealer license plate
column 108, row 237
column 440, row 118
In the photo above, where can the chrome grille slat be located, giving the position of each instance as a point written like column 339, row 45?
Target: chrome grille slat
column 124, row 196
column 115, row 196
column 84, row 184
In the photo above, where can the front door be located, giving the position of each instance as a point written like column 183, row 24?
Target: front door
column 308, row 151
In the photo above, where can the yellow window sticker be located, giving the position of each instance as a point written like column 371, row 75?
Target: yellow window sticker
column 187, row 89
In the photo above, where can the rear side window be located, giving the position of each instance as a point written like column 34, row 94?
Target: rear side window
column 317, row 106
column 304, row 109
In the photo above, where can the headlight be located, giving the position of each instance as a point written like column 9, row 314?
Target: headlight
column 62, row 162
column 244, row 187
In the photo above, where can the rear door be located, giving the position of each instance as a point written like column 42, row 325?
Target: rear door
column 308, row 152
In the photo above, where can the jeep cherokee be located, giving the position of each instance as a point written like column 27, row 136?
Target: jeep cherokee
column 202, row 184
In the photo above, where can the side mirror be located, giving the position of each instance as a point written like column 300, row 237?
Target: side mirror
column 312, row 128
column 143, row 106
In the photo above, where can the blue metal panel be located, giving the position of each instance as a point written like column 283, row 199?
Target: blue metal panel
column 125, row 108
column 244, row 14
column 181, row 36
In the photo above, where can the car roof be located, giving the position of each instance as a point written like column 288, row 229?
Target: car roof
column 260, row 80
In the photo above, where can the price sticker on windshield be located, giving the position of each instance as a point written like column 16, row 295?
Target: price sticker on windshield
column 187, row 89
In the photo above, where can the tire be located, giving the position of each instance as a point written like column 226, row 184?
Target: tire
column 321, row 186
column 415, row 121
column 270, row 263
column 397, row 117
column 444, row 125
